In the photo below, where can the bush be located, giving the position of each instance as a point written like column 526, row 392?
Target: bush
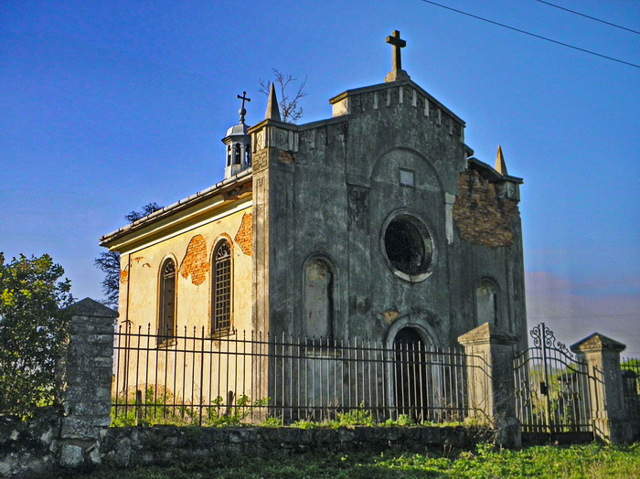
column 33, row 331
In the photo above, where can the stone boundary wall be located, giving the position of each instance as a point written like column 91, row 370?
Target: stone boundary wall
column 165, row 445
column 33, row 448
column 28, row 448
column 76, row 436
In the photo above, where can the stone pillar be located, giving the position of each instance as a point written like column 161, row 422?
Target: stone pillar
column 86, row 391
column 606, row 395
column 490, row 382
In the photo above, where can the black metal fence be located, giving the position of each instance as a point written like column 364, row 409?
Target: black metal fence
column 630, row 368
column 552, row 386
column 197, row 379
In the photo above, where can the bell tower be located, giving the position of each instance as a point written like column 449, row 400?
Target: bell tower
column 237, row 144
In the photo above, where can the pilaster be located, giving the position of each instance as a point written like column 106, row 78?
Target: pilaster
column 490, row 381
column 608, row 411
column 86, row 388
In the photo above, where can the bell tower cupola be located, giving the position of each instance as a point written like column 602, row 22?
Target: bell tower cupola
column 237, row 144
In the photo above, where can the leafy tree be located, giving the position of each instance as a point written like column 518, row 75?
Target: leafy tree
column 289, row 99
column 145, row 211
column 33, row 328
column 109, row 261
column 632, row 363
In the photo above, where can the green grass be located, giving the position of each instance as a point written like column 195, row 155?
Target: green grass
column 553, row 462
column 159, row 406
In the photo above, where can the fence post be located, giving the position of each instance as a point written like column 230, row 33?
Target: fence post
column 606, row 394
column 490, row 382
column 86, row 388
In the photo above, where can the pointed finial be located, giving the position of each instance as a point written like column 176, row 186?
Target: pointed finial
column 272, row 112
column 500, row 166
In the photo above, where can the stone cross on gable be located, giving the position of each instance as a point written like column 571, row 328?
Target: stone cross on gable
column 396, row 73
column 398, row 43
column 242, row 111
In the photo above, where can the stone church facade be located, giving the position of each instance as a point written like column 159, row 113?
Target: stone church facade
column 376, row 223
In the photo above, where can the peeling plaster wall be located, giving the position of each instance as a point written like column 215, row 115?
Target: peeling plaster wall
column 244, row 236
column 192, row 252
column 196, row 262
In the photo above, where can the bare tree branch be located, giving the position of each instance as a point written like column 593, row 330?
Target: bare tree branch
column 109, row 261
column 288, row 103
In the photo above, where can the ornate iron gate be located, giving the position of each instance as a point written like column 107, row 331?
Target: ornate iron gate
column 552, row 387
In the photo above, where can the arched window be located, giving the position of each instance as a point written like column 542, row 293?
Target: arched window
column 486, row 302
column 167, row 310
column 237, row 154
column 413, row 376
column 221, row 289
column 318, row 299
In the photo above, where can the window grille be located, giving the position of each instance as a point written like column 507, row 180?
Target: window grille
column 222, row 289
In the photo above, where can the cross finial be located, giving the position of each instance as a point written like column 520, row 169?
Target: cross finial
column 398, row 43
column 396, row 73
column 242, row 111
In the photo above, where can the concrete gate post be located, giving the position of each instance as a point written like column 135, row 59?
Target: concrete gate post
column 490, row 380
column 606, row 395
column 86, row 382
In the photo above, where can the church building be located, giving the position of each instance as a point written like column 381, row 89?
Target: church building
column 377, row 223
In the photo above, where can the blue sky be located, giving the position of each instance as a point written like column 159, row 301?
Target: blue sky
column 107, row 106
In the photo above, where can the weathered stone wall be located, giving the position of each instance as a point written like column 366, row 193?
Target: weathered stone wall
column 86, row 391
column 164, row 445
column 488, row 250
column 33, row 449
column 330, row 188
column 334, row 199
column 68, row 436
column 29, row 447
column 482, row 213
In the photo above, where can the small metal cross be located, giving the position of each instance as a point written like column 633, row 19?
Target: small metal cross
column 244, row 98
column 242, row 111
column 398, row 43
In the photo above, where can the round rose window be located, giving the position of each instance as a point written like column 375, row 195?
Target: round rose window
column 408, row 247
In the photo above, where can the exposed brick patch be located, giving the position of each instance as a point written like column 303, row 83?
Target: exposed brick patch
column 124, row 275
column 237, row 191
column 285, row 156
column 482, row 214
column 244, row 236
column 195, row 261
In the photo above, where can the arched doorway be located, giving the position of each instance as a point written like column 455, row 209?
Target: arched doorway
column 412, row 378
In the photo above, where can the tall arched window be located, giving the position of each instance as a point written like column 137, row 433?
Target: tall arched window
column 413, row 375
column 221, row 289
column 486, row 302
column 167, row 310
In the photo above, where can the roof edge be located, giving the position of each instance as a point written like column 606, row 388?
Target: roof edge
column 385, row 85
column 240, row 178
